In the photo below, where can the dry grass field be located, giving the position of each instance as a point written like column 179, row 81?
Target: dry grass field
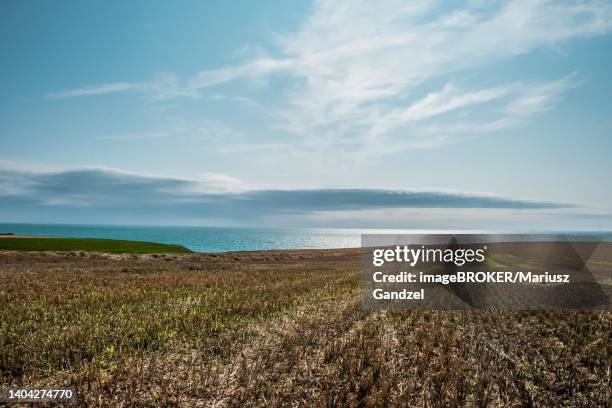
column 280, row 328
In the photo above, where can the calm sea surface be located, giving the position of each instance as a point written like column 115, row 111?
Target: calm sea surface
column 213, row 239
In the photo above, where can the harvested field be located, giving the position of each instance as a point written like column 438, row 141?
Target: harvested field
column 277, row 328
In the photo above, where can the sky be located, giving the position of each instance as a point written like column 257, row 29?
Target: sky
column 472, row 115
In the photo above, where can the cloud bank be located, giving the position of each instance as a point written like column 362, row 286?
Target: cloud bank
column 100, row 194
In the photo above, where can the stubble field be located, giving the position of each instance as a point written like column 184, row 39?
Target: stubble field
column 276, row 328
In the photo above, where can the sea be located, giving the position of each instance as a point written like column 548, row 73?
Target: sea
column 222, row 239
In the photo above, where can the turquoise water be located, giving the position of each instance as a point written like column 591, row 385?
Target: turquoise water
column 203, row 239
column 214, row 239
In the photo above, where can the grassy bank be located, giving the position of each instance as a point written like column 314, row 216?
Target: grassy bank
column 89, row 245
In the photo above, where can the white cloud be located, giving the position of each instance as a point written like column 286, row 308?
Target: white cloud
column 102, row 89
column 540, row 98
column 446, row 100
column 359, row 69
column 204, row 129
column 217, row 182
column 163, row 86
column 520, row 99
column 258, row 67
column 362, row 62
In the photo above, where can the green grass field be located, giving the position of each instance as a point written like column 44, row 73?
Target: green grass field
column 89, row 245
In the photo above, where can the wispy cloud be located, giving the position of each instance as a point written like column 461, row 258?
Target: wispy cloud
column 359, row 68
column 542, row 97
column 162, row 86
column 209, row 130
column 102, row 89
column 447, row 100
column 516, row 101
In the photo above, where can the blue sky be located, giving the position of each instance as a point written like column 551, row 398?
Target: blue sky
column 307, row 113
